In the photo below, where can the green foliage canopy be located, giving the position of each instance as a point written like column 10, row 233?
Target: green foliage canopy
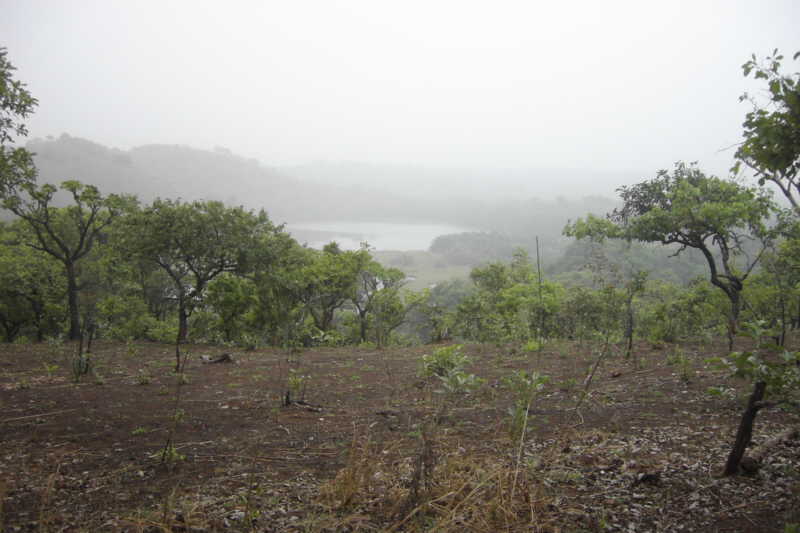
column 16, row 103
column 68, row 234
column 715, row 216
column 32, row 288
column 193, row 243
column 771, row 144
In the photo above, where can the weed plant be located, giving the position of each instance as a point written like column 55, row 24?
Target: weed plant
column 443, row 361
column 524, row 388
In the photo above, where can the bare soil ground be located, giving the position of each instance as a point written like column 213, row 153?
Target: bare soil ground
column 372, row 447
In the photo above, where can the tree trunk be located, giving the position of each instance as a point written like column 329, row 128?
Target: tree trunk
column 72, row 302
column 316, row 317
column 733, row 320
column 327, row 319
column 781, row 338
column 796, row 320
column 38, row 313
column 745, row 432
column 629, row 330
column 183, row 322
column 11, row 330
column 91, row 329
column 362, row 316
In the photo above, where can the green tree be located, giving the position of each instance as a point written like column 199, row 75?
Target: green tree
column 598, row 230
column 31, row 288
column 16, row 103
column 68, row 234
column 722, row 219
column 113, row 296
column 280, row 313
column 329, row 282
column 193, row 243
column 775, row 289
column 671, row 312
column 507, row 305
column 433, row 311
column 376, row 295
column 231, row 297
column 771, row 146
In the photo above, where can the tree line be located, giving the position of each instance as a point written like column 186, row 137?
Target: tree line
column 77, row 262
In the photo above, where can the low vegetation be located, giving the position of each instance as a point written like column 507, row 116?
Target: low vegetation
column 378, row 440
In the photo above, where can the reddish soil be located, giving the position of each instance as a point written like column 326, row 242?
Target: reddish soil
column 370, row 446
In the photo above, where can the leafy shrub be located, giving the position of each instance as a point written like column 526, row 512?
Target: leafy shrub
column 125, row 317
column 524, row 387
column 443, row 361
column 459, row 382
column 162, row 331
column 532, row 346
column 249, row 342
column 81, row 366
column 327, row 338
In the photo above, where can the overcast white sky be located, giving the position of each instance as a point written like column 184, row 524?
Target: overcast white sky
column 612, row 86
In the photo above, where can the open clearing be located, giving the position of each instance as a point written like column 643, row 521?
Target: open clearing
column 373, row 447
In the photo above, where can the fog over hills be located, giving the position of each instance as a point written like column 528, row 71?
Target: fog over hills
column 505, row 201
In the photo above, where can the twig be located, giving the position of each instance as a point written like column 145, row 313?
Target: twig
column 185, row 444
column 588, row 381
column 36, row 416
column 264, row 457
column 579, row 416
column 521, row 445
column 418, row 509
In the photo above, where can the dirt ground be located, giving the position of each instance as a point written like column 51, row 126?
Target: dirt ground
column 368, row 445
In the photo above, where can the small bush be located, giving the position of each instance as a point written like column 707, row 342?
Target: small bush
column 143, row 378
column 443, row 361
column 162, row 332
column 532, row 346
column 459, row 382
column 81, row 366
column 249, row 342
column 125, row 317
column 524, row 387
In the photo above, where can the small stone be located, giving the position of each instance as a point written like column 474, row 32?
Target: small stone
column 749, row 466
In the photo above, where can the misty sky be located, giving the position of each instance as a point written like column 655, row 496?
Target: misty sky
column 613, row 86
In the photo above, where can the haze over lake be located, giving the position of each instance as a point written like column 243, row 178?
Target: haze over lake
column 380, row 236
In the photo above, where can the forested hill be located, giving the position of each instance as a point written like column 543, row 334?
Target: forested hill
column 316, row 192
column 167, row 171
column 173, row 171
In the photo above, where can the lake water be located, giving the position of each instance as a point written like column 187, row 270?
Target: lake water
column 380, row 235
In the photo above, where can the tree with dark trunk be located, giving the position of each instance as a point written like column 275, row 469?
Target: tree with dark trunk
column 329, row 282
column 723, row 219
column 68, row 234
column 775, row 375
column 375, row 285
column 745, row 432
column 193, row 243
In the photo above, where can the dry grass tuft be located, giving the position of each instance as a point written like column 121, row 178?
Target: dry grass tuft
column 441, row 487
column 356, row 479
